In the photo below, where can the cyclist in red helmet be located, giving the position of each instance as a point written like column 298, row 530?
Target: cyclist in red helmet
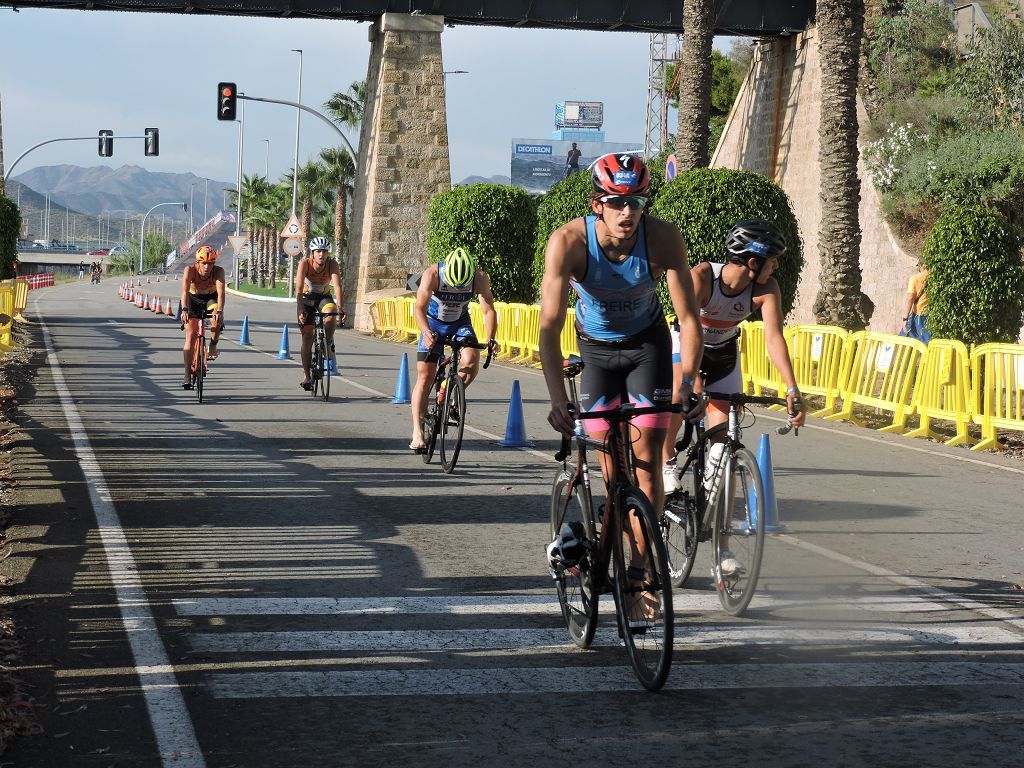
column 614, row 259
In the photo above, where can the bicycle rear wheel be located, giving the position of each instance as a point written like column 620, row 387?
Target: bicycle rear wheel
column 739, row 532
column 453, row 422
column 680, row 529
column 643, row 592
column 570, row 503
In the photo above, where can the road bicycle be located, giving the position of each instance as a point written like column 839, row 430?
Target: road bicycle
column 199, row 366
column 319, row 365
column 445, row 415
column 725, row 505
column 624, row 535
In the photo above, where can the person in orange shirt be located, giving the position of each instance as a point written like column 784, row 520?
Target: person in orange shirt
column 915, row 310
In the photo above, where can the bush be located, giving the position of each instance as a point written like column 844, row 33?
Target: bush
column 565, row 201
column 705, row 203
column 494, row 223
column 981, row 167
column 10, row 226
column 975, row 284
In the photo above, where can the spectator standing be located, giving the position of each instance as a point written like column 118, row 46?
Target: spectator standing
column 915, row 310
column 572, row 161
column 81, row 270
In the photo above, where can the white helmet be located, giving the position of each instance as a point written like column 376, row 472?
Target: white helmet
column 319, row 244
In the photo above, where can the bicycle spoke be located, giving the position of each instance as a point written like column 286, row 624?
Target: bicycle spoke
column 574, row 582
column 453, row 417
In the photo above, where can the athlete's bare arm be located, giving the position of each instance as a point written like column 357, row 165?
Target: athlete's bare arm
column 429, row 283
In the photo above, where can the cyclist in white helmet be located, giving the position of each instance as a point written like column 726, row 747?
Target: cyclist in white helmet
column 314, row 279
column 442, row 311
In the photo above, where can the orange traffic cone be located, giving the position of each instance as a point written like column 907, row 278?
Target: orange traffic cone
column 156, row 307
column 169, row 312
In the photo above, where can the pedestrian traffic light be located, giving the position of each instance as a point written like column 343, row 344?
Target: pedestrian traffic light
column 106, row 143
column 152, row 142
column 227, row 101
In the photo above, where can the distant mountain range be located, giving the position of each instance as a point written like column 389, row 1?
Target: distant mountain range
column 101, row 189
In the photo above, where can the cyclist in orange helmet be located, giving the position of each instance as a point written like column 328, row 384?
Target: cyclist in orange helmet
column 202, row 289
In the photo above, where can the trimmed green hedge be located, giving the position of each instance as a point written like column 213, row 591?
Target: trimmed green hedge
column 975, row 284
column 567, row 200
column 496, row 224
column 10, row 226
column 705, row 203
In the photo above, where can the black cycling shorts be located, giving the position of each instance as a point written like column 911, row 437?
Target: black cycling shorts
column 315, row 302
column 721, row 368
column 199, row 303
column 636, row 370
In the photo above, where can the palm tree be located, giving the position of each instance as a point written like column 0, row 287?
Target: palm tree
column 253, row 187
column 347, row 108
column 339, row 172
column 693, row 131
column 840, row 300
column 312, row 188
column 2, row 151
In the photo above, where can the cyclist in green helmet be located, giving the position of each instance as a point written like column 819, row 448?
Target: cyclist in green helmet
column 442, row 311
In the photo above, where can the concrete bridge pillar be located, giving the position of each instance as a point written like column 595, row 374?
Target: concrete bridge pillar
column 403, row 157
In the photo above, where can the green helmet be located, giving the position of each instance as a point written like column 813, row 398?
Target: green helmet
column 459, row 268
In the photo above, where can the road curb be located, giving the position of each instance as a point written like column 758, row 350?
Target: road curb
column 255, row 297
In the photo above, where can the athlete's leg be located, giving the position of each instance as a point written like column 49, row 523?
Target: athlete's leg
column 307, row 350
column 425, row 370
column 469, row 365
column 190, row 340
column 216, row 329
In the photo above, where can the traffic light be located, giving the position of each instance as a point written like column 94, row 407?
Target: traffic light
column 106, row 143
column 227, row 101
column 152, row 142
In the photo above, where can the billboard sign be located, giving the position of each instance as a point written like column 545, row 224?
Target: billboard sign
column 579, row 114
column 538, row 164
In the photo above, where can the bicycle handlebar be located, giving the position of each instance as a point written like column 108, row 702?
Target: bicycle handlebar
column 619, row 414
column 741, row 398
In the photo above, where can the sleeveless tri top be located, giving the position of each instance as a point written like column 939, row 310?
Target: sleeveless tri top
column 721, row 315
column 449, row 303
column 617, row 300
column 317, row 282
column 200, row 286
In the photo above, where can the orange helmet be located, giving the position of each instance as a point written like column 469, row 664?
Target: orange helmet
column 206, row 255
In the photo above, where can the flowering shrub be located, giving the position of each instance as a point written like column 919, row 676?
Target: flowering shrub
column 887, row 158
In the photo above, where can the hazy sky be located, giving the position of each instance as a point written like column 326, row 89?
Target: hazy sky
column 71, row 73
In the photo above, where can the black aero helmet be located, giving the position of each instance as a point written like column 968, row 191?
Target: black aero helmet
column 754, row 238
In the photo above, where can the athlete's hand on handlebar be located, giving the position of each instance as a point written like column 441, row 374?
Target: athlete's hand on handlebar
column 561, row 418
column 795, row 418
column 693, row 404
column 492, row 349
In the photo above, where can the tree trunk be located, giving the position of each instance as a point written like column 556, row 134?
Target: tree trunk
column 253, row 257
column 262, row 237
column 339, row 228
column 840, row 300
column 694, row 132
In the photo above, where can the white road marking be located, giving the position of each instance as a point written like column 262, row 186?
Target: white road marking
column 469, row 682
column 482, row 605
column 172, row 727
column 687, row 635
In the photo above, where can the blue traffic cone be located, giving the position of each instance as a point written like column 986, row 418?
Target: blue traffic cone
column 283, row 353
column 771, row 511
column 244, row 338
column 402, row 385
column 515, row 427
column 178, row 313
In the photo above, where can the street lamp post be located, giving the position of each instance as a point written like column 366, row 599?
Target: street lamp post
column 206, row 197
column 266, row 162
column 191, row 189
column 142, row 230
column 295, row 168
column 238, row 189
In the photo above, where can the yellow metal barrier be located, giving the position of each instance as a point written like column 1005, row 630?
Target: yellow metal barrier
column 387, row 318
column 569, row 343
column 407, row 328
column 880, row 374
column 997, row 391
column 507, row 334
column 942, row 388
column 758, row 369
column 531, row 336
column 6, row 317
column 20, row 298
column 817, row 353
column 476, row 319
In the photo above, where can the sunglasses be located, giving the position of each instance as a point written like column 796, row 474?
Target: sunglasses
column 619, row 202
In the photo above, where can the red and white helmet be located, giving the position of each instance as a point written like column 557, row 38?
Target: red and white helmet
column 620, row 175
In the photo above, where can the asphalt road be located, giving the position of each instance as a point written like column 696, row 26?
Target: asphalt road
column 267, row 580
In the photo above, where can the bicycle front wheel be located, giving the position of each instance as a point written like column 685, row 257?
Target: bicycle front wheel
column 643, row 592
column 453, row 422
column 570, row 503
column 739, row 533
column 316, row 365
column 680, row 528
column 325, row 383
column 199, row 367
